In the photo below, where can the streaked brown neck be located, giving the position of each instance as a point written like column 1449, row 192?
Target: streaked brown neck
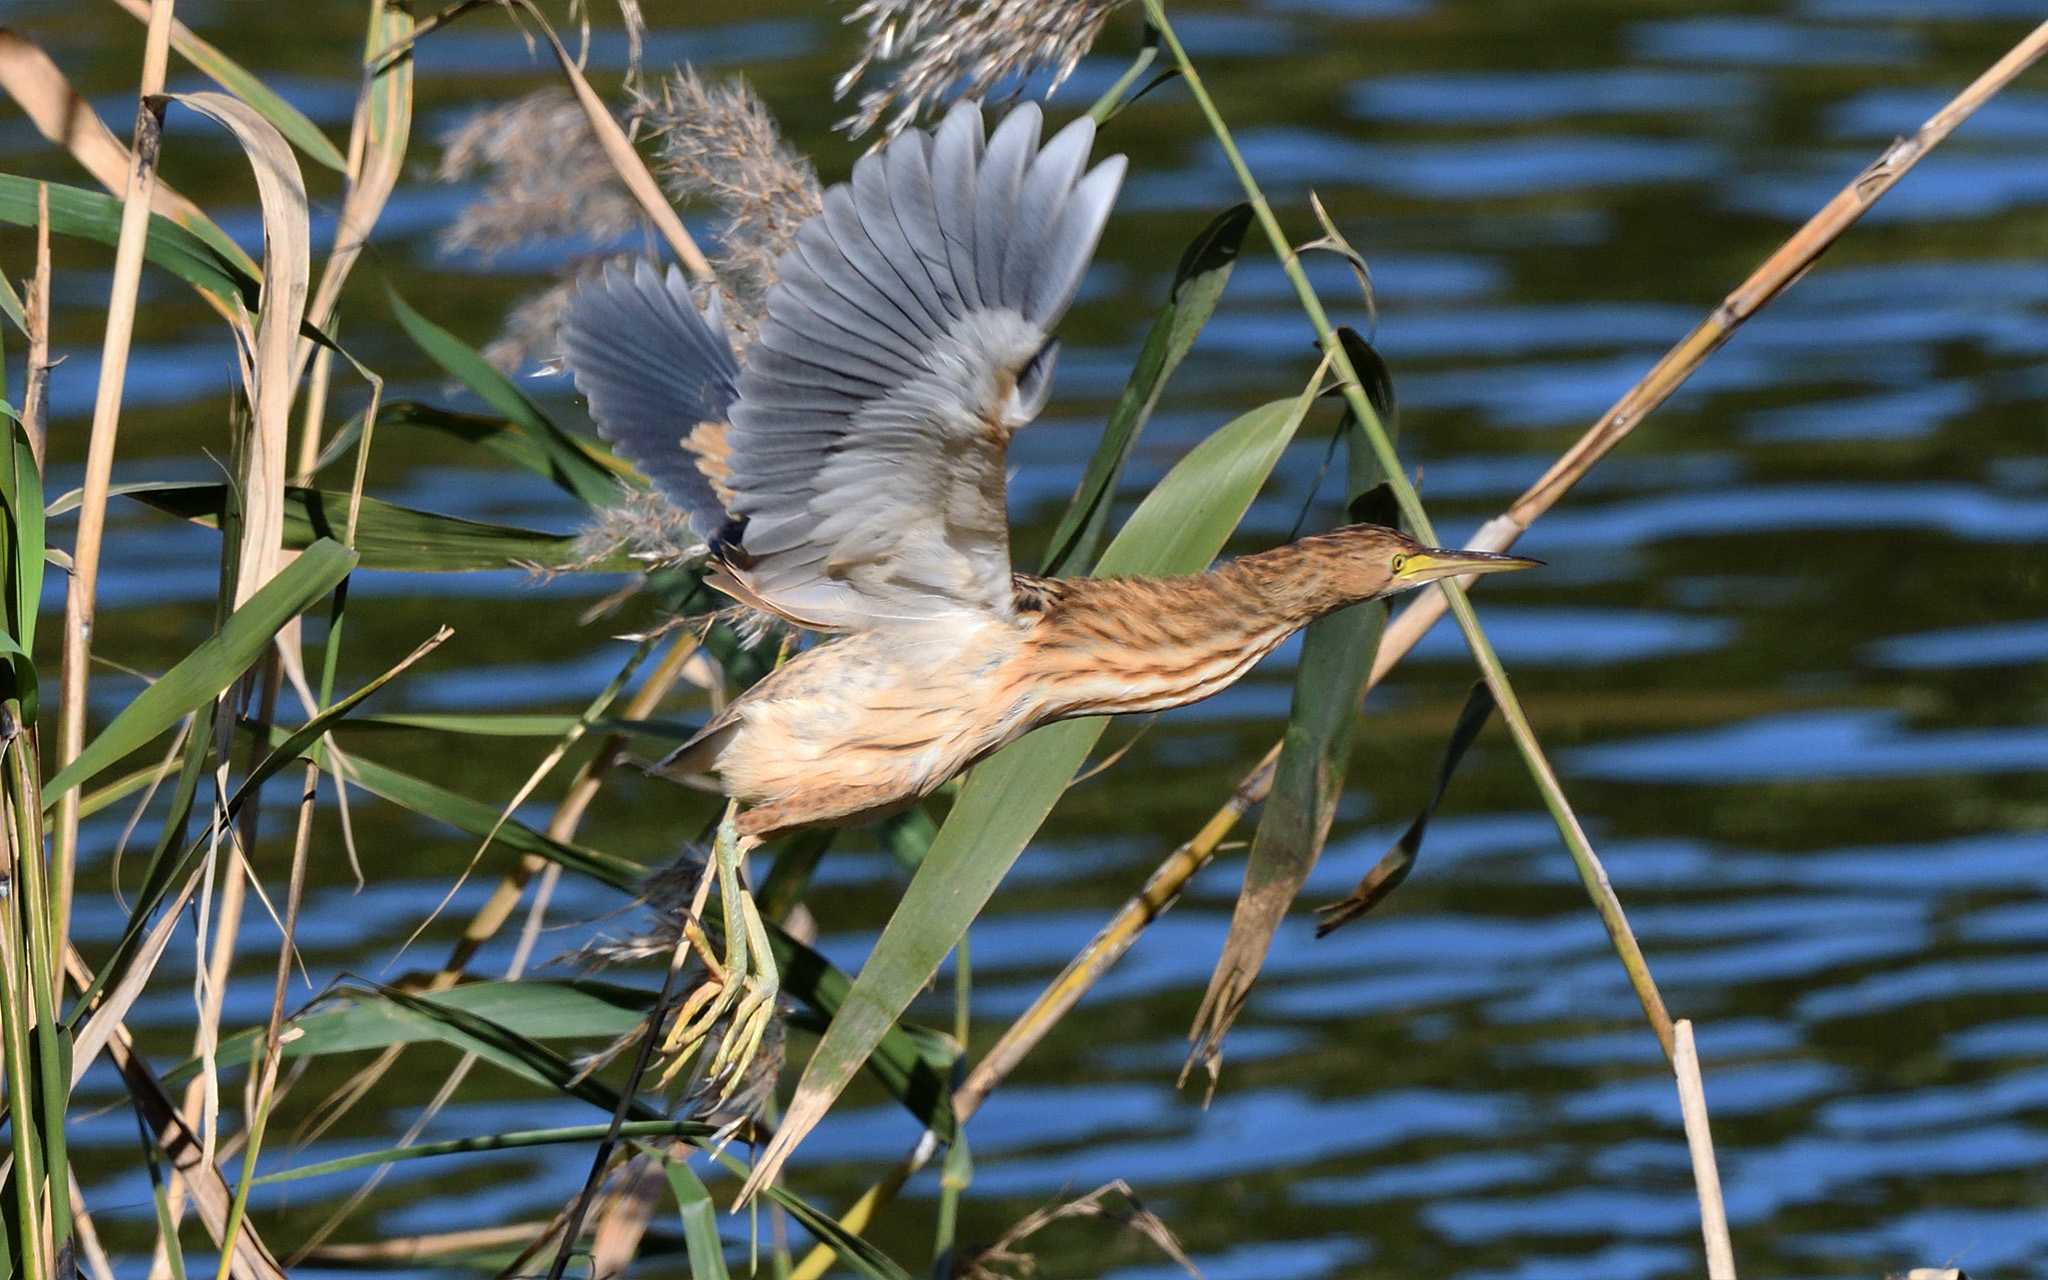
column 1147, row 644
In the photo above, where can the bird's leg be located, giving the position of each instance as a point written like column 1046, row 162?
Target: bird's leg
column 740, row 988
column 760, row 981
column 704, row 1006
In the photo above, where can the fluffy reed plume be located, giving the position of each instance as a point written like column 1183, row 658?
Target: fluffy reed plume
column 532, row 330
column 546, row 177
column 937, row 46
column 720, row 144
column 644, row 525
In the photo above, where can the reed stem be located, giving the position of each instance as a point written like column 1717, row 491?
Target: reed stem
column 1699, row 1140
column 1591, row 873
column 106, row 421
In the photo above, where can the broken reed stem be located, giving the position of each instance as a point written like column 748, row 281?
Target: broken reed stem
column 106, row 418
column 1771, row 278
column 1591, row 873
column 1692, row 1103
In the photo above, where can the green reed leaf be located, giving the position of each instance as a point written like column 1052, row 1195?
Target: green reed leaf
column 244, row 84
column 206, row 672
column 1179, row 528
column 911, row 1062
column 389, row 536
column 1394, row 866
column 571, row 463
column 21, row 493
column 93, row 216
column 1197, row 286
column 1308, row 780
column 498, row 435
column 514, row 1141
column 571, row 1010
column 700, row 1221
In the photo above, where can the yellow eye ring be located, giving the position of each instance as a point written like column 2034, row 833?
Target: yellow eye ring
column 1400, row 562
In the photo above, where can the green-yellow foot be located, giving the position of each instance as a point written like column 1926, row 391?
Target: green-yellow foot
column 739, row 989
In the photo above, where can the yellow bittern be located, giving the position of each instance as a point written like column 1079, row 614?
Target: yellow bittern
column 849, row 479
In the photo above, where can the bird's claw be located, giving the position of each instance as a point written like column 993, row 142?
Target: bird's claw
column 739, row 989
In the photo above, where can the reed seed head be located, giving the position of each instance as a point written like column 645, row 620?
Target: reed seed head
column 936, row 48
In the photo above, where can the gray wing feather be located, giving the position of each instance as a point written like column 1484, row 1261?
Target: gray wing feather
column 956, row 152
column 1072, row 243
column 884, row 231
column 652, row 368
column 909, row 177
column 1046, row 186
column 868, row 442
column 995, row 197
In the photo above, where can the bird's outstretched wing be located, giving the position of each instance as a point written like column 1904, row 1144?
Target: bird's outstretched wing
column 907, row 336
column 661, row 379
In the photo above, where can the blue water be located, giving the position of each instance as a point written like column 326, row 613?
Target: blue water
column 1787, row 656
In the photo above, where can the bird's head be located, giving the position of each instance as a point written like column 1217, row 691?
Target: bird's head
column 1363, row 561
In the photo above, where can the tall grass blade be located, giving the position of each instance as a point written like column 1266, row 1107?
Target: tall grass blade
column 1179, row 528
column 1315, row 752
column 1393, row 867
column 21, row 493
column 571, row 464
column 1197, row 286
column 210, row 669
column 92, row 216
column 389, row 536
column 517, row 1140
column 244, row 84
column 700, row 1221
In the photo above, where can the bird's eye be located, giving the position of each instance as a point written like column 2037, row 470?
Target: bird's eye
column 1400, row 563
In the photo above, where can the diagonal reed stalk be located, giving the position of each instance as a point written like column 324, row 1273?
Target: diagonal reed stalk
column 1591, row 872
column 106, row 421
column 1777, row 273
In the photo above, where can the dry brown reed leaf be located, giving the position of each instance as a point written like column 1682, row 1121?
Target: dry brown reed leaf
column 720, row 144
column 1017, row 1264
column 35, row 396
column 80, row 597
column 378, row 138
column 623, row 1216
column 62, row 116
column 933, row 47
column 267, row 345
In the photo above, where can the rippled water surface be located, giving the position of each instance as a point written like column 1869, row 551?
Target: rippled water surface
column 1788, row 656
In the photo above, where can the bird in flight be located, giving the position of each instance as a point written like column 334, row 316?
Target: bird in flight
column 849, row 478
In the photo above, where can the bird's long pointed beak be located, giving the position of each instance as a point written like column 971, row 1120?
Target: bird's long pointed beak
column 1442, row 562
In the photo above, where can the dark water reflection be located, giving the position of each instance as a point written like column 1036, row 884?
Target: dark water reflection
column 1788, row 654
